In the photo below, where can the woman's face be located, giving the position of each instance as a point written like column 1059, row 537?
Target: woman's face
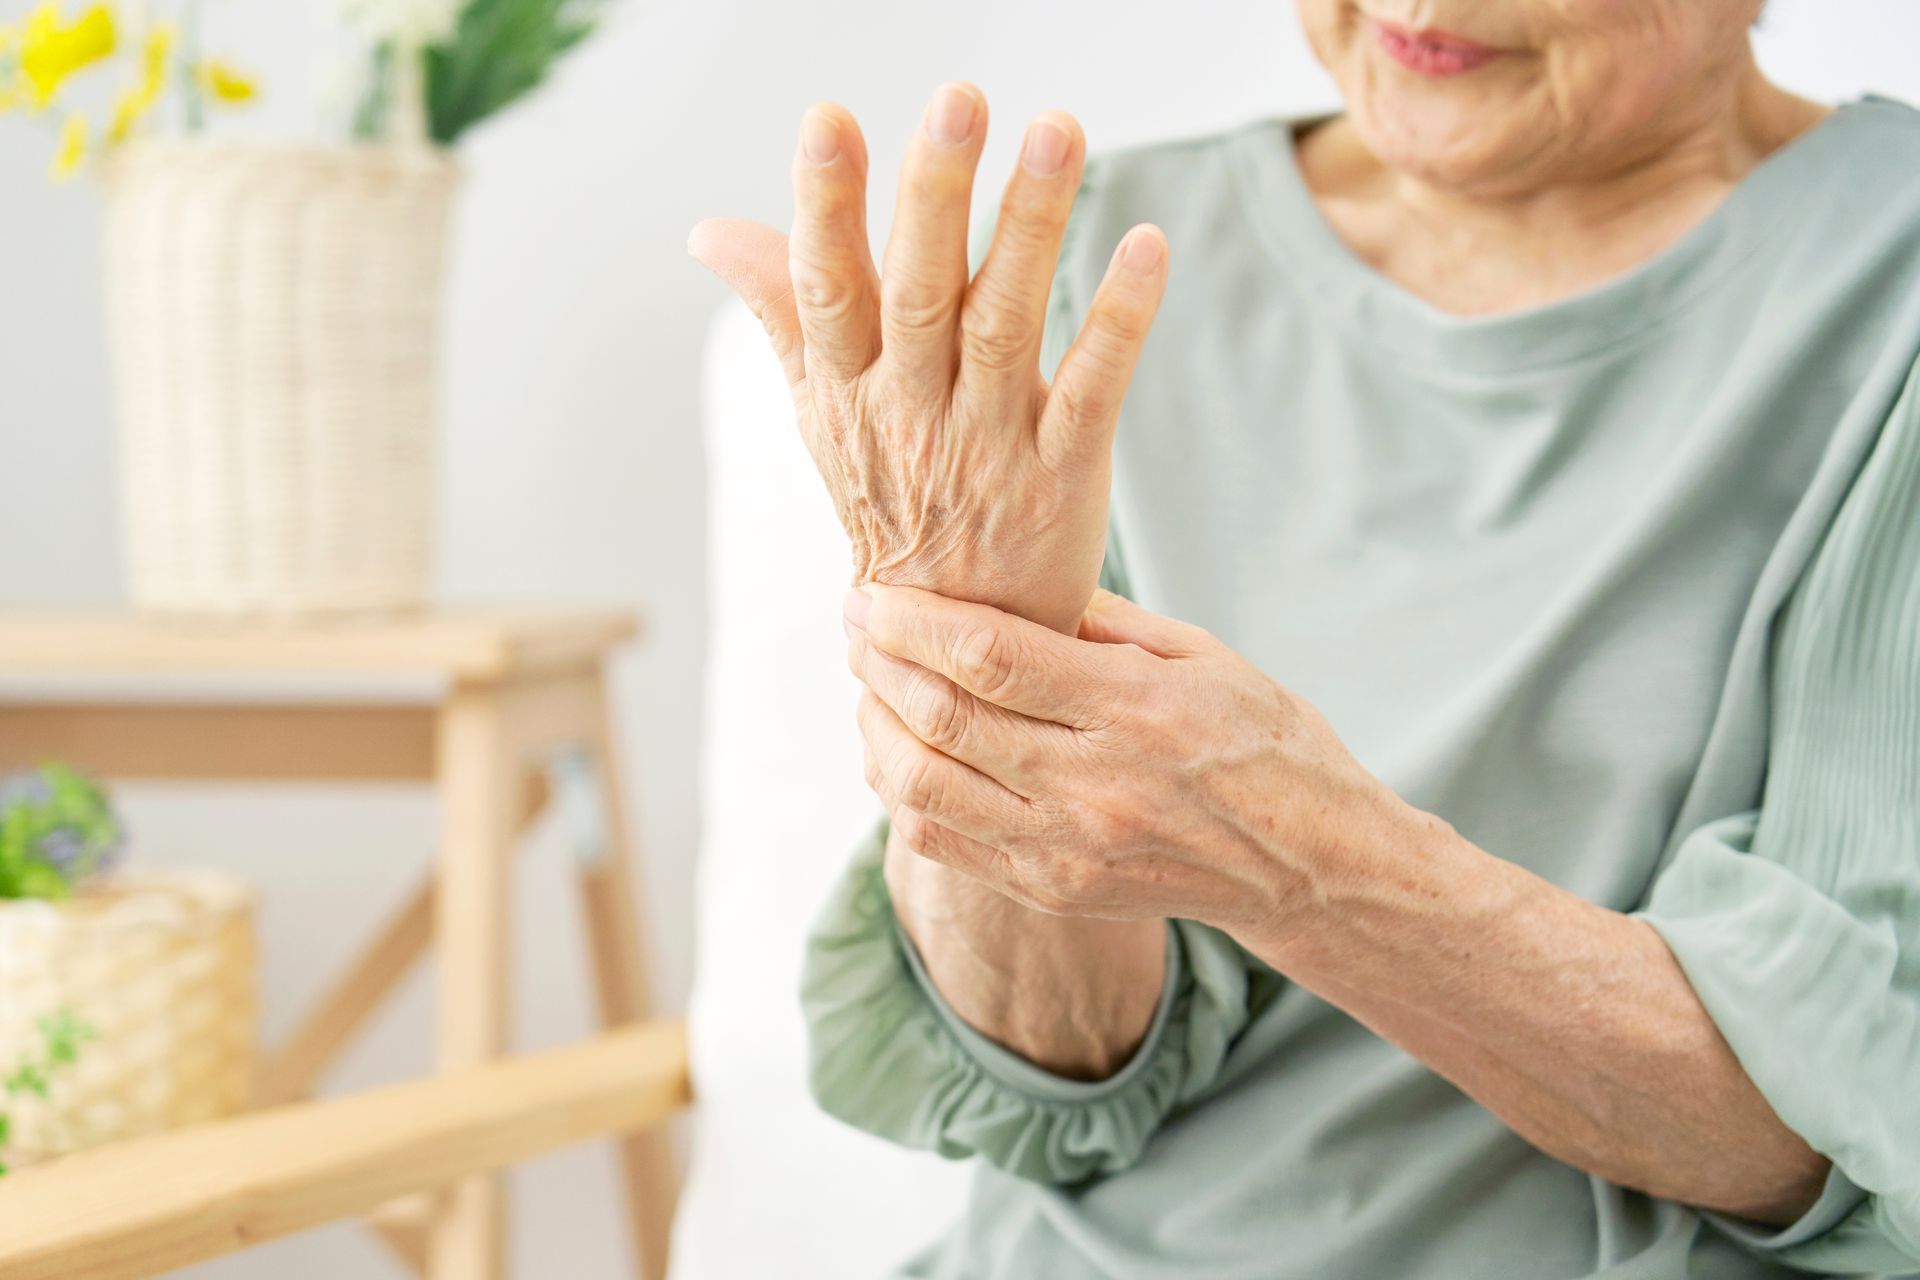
column 1501, row 96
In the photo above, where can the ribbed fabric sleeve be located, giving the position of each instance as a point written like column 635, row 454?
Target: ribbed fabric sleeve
column 889, row 1056
column 1799, row 925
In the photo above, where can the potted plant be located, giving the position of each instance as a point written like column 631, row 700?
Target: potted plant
column 274, row 308
column 127, row 1001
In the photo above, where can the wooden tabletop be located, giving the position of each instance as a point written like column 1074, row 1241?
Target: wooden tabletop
column 457, row 643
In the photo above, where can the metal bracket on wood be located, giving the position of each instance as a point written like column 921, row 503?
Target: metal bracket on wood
column 577, row 788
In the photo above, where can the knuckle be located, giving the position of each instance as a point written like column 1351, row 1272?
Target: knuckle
column 926, row 838
column 921, row 788
column 912, row 829
column 937, row 180
column 1030, row 223
column 940, row 715
column 914, row 307
column 828, row 201
column 1074, row 403
column 1114, row 823
column 1077, row 879
column 987, row 661
column 1043, row 898
column 992, row 337
column 821, row 289
column 1121, row 325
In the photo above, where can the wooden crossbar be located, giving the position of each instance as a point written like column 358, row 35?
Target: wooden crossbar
column 257, row 742
column 148, row 1205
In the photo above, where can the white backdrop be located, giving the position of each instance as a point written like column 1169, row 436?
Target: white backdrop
column 571, row 451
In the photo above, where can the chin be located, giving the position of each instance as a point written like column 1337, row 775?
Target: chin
column 1460, row 144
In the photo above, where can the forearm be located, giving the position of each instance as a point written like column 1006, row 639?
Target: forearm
column 1072, row 994
column 1572, row 1023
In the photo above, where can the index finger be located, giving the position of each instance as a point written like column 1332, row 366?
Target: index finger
column 1003, row 659
column 835, row 290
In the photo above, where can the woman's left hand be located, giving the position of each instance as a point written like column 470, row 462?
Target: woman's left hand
column 1141, row 770
column 1146, row 770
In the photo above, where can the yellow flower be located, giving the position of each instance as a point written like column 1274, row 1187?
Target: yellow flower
column 73, row 147
column 134, row 103
column 154, row 57
column 13, row 87
column 50, row 50
column 225, row 84
column 127, row 110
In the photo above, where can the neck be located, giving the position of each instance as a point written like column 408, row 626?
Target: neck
column 1475, row 250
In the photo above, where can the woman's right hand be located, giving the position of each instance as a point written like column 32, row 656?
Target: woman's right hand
column 954, row 466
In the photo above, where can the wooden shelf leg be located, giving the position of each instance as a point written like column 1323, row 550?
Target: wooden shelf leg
column 290, row 1074
column 611, row 903
column 480, row 799
column 402, row 1226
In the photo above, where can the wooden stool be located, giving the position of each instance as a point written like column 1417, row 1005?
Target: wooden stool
column 519, row 712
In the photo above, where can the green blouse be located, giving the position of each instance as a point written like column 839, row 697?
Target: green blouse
column 1627, row 589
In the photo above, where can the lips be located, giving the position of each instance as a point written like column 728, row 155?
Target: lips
column 1430, row 52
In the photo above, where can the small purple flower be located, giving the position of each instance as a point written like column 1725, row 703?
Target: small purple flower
column 57, row 821
column 65, row 850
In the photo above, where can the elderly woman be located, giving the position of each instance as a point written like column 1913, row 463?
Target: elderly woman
column 1479, row 834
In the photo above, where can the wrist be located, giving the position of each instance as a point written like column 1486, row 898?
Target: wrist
column 1074, row 995
column 1389, row 881
column 1054, row 603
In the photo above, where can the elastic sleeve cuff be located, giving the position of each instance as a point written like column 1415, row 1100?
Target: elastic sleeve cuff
column 1838, row 1199
column 890, row 1056
column 1847, row 1232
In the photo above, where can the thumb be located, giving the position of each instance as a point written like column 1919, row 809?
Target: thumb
column 752, row 258
column 1112, row 619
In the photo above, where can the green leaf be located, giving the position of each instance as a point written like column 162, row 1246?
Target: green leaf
column 370, row 113
column 28, row 1077
column 37, row 879
column 56, row 827
column 64, row 1034
column 501, row 51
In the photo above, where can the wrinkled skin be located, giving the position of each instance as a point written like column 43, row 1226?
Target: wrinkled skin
column 1036, row 844
column 1145, row 770
column 1589, row 88
column 954, row 466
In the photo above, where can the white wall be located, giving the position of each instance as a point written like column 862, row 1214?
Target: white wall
column 572, row 465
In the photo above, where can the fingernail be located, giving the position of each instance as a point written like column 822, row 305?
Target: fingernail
column 819, row 137
column 1045, row 151
column 950, row 116
column 856, row 607
column 1140, row 252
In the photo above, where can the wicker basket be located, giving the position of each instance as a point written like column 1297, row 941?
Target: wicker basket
column 274, row 312
column 159, row 968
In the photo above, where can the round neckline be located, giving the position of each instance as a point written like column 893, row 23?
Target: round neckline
column 1617, row 311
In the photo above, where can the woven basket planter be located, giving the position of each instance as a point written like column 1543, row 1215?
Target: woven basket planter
column 160, row 969
column 274, row 314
